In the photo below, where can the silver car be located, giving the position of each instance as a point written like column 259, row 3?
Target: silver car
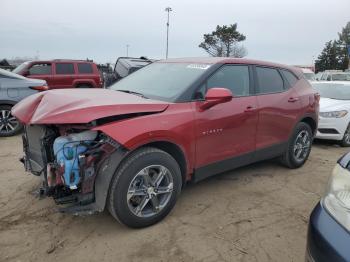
column 14, row 88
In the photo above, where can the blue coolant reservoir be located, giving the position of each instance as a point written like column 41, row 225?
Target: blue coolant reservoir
column 67, row 150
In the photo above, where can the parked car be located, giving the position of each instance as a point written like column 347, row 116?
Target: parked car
column 133, row 147
column 335, row 76
column 309, row 74
column 334, row 117
column 329, row 227
column 124, row 67
column 14, row 88
column 61, row 73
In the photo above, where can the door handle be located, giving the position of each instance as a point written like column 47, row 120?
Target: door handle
column 249, row 109
column 293, row 99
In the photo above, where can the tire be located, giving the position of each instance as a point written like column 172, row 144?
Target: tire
column 298, row 150
column 9, row 125
column 136, row 198
column 345, row 142
column 84, row 86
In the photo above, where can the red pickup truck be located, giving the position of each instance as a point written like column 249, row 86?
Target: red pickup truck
column 61, row 73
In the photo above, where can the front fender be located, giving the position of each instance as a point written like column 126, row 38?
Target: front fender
column 173, row 127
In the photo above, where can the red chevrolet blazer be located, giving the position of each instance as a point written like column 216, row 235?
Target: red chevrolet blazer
column 133, row 148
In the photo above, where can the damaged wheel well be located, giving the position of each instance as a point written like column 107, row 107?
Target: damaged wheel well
column 176, row 152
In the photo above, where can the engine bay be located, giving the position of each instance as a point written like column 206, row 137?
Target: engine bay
column 68, row 159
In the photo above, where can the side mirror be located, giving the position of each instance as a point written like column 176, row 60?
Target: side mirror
column 216, row 95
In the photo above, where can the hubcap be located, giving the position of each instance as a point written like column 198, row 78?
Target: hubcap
column 8, row 123
column 150, row 191
column 302, row 145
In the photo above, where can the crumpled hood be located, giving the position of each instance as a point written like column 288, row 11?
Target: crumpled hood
column 328, row 104
column 80, row 106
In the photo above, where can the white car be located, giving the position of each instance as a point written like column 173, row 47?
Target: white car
column 309, row 74
column 334, row 116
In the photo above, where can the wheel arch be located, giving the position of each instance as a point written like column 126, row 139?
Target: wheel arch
column 311, row 122
column 7, row 103
column 172, row 149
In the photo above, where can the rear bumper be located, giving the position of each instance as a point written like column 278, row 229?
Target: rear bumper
column 327, row 240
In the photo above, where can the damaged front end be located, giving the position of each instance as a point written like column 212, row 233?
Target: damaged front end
column 76, row 164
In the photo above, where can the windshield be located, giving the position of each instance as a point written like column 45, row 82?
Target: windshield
column 162, row 81
column 309, row 76
column 19, row 68
column 341, row 77
column 334, row 91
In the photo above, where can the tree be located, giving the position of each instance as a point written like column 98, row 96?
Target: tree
column 334, row 55
column 224, row 41
column 344, row 36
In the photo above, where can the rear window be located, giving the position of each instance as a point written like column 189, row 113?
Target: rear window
column 291, row 78
column 64, row 68
column 269, row 80
column 84, row 68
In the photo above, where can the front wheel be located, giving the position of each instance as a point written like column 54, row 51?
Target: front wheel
column 299, row 146
column 145, row 188
column 345, row 142
column 9, row 125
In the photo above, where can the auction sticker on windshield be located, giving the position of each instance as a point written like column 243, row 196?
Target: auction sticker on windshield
column 198, row 66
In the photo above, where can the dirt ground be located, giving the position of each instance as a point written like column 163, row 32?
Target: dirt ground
column 255, row 213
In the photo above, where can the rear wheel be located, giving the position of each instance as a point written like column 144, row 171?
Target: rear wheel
column 9, row 125
column 299, row 146
column 345, row 142
column 84, row 86
column 145, row 188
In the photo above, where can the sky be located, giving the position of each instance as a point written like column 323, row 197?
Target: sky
column 289, row 32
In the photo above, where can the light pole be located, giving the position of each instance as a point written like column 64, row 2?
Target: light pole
column 127, row 50
column 168, row 9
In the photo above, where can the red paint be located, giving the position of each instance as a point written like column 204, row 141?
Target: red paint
column 229, row 127
column 58, row 81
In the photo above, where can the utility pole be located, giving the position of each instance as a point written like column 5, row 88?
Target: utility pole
column 168, row 9
column 127, row 50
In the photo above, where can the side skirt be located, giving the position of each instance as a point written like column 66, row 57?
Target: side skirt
column 238, row 161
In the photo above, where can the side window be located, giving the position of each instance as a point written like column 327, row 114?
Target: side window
column 84, row 68
column 233, row 77
column 269, row 80
column 64, row 68
column 40, row 69
column 291, row 78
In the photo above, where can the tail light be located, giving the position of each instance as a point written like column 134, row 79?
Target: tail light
column 317, row 97
column 39, row 88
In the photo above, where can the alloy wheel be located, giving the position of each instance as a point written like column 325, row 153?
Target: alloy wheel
column 150, row 191
column 302, row 145
column 8, row 123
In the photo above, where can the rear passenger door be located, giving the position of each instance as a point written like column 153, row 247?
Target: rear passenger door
column 278, row 106
column 64, row 75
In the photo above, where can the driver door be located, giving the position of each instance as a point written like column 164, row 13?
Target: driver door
column 226, row 133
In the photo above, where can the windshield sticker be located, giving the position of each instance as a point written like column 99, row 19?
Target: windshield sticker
column 198, row 66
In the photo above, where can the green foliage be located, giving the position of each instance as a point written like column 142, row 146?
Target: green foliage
column 334, row 55
column 224, row 42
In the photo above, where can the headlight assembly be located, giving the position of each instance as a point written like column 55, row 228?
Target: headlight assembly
column 337, row 197
column 334, row 114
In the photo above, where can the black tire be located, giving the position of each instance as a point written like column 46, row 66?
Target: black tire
column 345, row 142
column 121, row 207
column 290, row 157
column 9, row 125
column 84, row 86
